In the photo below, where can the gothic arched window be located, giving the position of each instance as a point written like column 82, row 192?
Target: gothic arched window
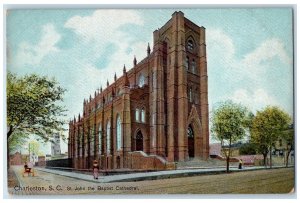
column 190, row 45
column 80, row 142
column 137, row 114
column 193, row 66
column 100, row 139
column 187, row 63
column 119, row 130
column 92, row 139
column 190, row 94
column 141, row 80
column 190, row 132
column 143, row 115
column 108, row 144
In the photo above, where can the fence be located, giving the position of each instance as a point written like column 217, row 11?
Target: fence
column 59, row 163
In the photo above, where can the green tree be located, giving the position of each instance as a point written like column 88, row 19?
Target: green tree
column 229, row 122
column 33, row 108
column 16, row 140
column 248, row 149
column 266, row 128
column 34, row 148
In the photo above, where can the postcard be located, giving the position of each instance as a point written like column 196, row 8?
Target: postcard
column 150, row 101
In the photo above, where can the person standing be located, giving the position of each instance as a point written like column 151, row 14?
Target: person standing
column 240, row 164
column 95, row 169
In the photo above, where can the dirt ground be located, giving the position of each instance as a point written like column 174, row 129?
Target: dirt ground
column 12, row 179
column 272, row 181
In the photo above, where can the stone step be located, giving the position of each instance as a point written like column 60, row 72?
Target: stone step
column 209, row 163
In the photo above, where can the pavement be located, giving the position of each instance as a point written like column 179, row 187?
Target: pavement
column 149, row 175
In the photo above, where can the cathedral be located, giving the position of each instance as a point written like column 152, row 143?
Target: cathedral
column 154, row 115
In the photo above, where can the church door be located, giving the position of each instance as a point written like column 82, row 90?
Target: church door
column 118, row 162
column 139, row 141
column 191, row 143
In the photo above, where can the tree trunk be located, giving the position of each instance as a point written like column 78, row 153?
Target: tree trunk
column 265, row 160
column 228, row 156
column 7, row 151
column 270, row 156
column 227, row 164
column 9, row 133
column 287, row 158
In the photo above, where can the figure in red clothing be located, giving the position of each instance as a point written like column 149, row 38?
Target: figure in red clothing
column 95, row 169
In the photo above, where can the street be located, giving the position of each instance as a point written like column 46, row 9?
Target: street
column 248, row 182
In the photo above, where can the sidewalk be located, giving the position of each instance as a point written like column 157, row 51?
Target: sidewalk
column 149, row 175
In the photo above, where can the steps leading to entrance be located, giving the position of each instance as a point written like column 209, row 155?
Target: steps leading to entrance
column 200, row 163
column 143, row 161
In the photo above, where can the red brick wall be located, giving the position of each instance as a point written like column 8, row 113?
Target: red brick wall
column 16, row 159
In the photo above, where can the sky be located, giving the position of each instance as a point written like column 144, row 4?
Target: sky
column 249, row 51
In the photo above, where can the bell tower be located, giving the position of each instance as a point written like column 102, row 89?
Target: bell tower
column 178, row 99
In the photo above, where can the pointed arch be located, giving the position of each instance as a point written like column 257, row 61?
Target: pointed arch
column 187, row 62
column 141, row 80
column 108, row 138
column 191, row 142
column 193, row 128
column 194, row 119
column 119, row 132
column 139, row 140
column 143, row 115
column 190, row 42
column 193, row 66
column 100, row 139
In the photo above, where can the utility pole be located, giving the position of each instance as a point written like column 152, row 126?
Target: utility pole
column 29, row 151
column 33, row 154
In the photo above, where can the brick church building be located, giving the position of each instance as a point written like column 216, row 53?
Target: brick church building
column 155, row 114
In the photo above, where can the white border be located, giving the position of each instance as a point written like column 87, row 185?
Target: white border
column 137, row 4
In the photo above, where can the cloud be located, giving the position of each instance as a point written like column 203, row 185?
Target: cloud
column 102, row 29
column 33, row 54
column 102, row 24
column 219, row 42
column 221, row 46
column 261, row 77
column 96, row 32
column 255, row 100
column 81, row 83
column 266, row 51
column 256, row 62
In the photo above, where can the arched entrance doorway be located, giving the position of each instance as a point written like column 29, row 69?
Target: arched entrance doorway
column 107, row 166
column 118, row 162
column 139, row 141
column 191, row 140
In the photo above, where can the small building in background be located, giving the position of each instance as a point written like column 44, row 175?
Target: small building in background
column 48, row 157
column 55, row 146
column 33, row 158
column 16, row 159
column 215, row 150
column 41, row 161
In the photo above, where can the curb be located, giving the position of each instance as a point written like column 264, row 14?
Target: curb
column 158, row 177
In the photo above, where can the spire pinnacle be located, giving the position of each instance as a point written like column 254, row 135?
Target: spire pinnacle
column 148, row 49
column 124, row 69
column 134, row 61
